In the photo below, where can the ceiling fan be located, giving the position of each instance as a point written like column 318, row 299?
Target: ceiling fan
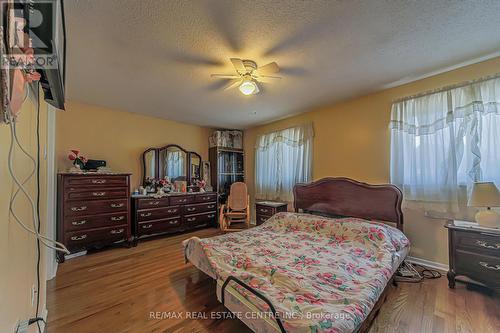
column 248, row 75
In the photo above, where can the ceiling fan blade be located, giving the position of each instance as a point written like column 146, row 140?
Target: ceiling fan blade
column 225, row 76
column 268, row 69
column 238, row 65
column 232, row 84
column 268, row 79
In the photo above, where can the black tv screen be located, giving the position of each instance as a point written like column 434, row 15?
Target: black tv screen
column 46, row 28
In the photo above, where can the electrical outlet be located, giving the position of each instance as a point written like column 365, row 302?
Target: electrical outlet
column 33, row 295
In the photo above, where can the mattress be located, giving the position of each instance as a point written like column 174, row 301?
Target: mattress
column 321, row 274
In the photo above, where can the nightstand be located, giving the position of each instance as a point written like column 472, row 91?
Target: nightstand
column 265, row 209
column 474, row 253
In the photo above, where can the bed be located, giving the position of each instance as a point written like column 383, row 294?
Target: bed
column 327, row 267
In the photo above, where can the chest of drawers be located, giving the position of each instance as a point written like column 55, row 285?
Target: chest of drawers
column 265, row 209
column 93, row 210
column 173, row 213
column 474, row 253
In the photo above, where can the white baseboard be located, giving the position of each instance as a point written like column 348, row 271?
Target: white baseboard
column 428, row 263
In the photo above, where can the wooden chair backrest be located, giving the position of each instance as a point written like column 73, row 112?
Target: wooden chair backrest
column 238, row 196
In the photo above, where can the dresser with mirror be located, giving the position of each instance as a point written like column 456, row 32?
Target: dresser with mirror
column 175, row 211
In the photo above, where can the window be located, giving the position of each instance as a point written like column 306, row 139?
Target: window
column 282, row 159
column 444, row 141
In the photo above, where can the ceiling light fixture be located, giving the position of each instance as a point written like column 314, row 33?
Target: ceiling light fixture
column 248, row 87
column 249, row 76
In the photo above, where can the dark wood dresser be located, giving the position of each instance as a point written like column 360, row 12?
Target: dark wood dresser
column 93, row 210
column 474, row 253
column 265, row 209
column 173, row 213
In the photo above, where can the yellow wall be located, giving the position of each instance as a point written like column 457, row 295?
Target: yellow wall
column 17, row 247
column 120, row 137
column 352, row 140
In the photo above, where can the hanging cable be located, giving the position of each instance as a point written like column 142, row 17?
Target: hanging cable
column 38, row 250
column 48, row 242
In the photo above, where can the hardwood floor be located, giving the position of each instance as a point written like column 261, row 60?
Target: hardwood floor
column 116, row 291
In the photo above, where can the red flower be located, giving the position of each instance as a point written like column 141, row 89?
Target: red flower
column 72, row 157
column 76, row 152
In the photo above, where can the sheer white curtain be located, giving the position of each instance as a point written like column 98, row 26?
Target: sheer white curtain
column 175, row 166
column 282, row 159
column 442, row 142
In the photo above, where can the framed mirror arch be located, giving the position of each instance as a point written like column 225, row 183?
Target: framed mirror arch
column 172, row 161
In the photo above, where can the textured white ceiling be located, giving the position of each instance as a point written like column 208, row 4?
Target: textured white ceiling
column 155, row 57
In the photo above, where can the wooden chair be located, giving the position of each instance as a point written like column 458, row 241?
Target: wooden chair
column 237, row 208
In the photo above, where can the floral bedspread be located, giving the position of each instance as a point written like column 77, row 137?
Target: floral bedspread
column 321, row 274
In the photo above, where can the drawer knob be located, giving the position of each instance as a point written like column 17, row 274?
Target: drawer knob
column 154, row 203
column 115, row 205
column 78, row 209
column 146, row 214
column 183, row 200
column 79, row 222
column 146, row 226
column 191, row 209
column 488, row 266
column 210, row 206
column 488, row 246
column 263, row 210
column 191, row 219
column 98, row 194
column 210, row 216
column 173, row 222
column 77, row 238
column 98, row 181
column 117, row 218
column 118, row 231
column 171, row 210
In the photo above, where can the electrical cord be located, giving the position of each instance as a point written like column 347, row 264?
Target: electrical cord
column 45, row 240
column 20, row 188
column 38, row 250
column 408, row 273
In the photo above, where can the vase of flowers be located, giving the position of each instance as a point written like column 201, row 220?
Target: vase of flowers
column 78, row 160
column 150, row 184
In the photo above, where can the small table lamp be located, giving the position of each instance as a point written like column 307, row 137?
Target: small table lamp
column 486, row 195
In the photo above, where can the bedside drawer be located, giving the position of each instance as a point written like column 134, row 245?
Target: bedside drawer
column 198, row 208
column 80, row 208
column 96, row 181
column 95, row 221
column 153, row 203
column 261, row 219
column 205, row 197
column 484, row 269
column 97, row 194
column 85, row 238
column 158, row 226
column 181, row 200
column 265, row 210
column 480, row 243
column 158, row 213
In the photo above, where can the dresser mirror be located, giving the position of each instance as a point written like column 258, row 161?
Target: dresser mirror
column 171, row 161
column 195, row 167
column 150, row 161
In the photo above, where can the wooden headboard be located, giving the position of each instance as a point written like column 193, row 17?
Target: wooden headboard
column 349, row 198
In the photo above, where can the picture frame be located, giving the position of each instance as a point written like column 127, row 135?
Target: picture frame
column 206, row 173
